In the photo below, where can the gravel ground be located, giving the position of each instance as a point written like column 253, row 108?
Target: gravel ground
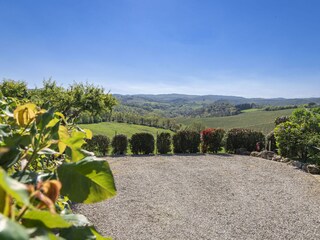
column 208, row 197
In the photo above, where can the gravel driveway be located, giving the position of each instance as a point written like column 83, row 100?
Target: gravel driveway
column 208, row 197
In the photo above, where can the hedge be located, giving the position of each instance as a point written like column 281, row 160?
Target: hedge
column 186, row 141
column 142, row 143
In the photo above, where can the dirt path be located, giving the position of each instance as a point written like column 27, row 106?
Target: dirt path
column 208, row 197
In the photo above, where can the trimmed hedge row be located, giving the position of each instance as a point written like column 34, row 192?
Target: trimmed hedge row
column 211, row 139
column 186, row 141
column 142, row 143
column 99, row 144
column 248, row 139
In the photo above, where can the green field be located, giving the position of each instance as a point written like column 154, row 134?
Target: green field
column 111, row 128
column 258, row 120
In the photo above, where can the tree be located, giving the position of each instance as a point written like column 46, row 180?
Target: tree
column 15, row 89
column 297, row 137
column 75, row 99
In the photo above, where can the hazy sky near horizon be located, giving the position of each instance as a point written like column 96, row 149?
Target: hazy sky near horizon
column 250, row 48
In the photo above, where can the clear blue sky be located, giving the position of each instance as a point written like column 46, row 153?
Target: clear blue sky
column 251, row 48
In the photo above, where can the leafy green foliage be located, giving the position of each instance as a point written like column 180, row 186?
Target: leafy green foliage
column 297, row 137
column 237, row 138
column 71, row 101
column 142, row 143
column 11, row 230
column 211, row 139
column 16, row 89
column 98, row 144
column 281, row 119
column 42, row 163
column 164, row 143
column 94, row 180
column 119, row 144
column 186, row 141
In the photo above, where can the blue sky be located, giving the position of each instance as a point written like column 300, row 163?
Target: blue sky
column 251, row 48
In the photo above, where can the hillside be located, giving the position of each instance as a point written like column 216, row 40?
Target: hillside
column 181, row 105
column 184, row 98
column 111, row 128
column 257, row 120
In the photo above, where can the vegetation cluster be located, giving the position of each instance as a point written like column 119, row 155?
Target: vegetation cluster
column 43, row 169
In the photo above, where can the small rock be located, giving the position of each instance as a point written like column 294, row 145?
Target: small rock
column 277, row 158
column 305, row 167
column 313, row 169
column 285, row 160
column 254, row 154
column 266, row 154
column 297, row 164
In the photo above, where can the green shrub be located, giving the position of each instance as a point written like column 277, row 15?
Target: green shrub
column 98, row 144
column 186, row 141
column 212, row 140
column 142, row 143
column 164, row 143
column 297, row 137
column 243, row 138
column 119, row 144
column 281, row 119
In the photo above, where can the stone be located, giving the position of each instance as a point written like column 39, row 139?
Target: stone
column 305, row 167
column 285, row 160
column 297, row 164
column 313, row 169
column 254, row 154
column 277, row 158
column 266, row 154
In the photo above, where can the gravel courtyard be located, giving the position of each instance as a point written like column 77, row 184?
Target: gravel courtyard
column 208, row 197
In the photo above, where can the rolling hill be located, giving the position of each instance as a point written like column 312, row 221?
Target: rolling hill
column 258, row 120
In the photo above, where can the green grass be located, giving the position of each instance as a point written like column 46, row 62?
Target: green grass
column 257, row 120
column 251, row 110
column 111, row 128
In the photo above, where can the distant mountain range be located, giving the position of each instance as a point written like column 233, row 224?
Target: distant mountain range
column 208, row 99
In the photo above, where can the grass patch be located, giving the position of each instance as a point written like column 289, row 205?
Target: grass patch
column 251, row 110
column 257, row 120
column 112, row 128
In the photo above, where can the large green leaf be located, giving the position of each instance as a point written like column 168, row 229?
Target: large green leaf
column 87, row 181
column 77, row 220
column 14, row 188
column 10, row 230
column 46, row 219
column 87, row 233
column 74, row 144
column 42, row 234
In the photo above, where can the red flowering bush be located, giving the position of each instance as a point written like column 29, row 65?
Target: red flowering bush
column 211, row 139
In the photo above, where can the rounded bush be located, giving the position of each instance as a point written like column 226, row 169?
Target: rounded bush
column 98, row 144
column 211, row 139
column 186, row 141
column 164, row 143
column 119, row 144
column 142, row 143
column 248, row 139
